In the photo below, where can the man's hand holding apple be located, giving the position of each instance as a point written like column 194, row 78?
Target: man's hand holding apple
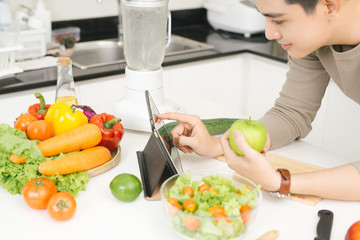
column 253, row 164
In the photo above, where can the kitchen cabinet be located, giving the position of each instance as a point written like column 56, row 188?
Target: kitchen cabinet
column 251, row 84
column 338, row 124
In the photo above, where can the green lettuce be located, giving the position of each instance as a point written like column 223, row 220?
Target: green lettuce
column 226, row 196
column 13, row 176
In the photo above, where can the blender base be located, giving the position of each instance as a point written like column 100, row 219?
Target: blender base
column 132, row 109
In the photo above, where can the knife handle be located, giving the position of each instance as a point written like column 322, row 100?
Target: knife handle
column 324, row 225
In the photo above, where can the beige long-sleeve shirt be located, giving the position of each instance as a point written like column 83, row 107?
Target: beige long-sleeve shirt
column 301, row 95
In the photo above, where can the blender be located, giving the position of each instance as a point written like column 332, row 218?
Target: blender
column 146, row 34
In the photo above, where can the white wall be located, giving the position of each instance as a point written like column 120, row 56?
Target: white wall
column 81, row 9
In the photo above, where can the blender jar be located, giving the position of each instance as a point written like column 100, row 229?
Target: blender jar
column 146, row 29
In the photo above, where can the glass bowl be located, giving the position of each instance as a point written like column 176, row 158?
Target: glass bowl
column 199, row 221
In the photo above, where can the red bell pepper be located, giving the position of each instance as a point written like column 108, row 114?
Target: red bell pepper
column 39, row 109
column 111, row 129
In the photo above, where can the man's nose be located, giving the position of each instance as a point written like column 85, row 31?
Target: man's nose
column 271, row 31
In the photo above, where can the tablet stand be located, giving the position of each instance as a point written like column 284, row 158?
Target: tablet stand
column 154, row 168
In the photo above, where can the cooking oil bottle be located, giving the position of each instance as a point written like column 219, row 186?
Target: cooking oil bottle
column 65, row 88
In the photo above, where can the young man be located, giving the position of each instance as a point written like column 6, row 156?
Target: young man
column 322, row 38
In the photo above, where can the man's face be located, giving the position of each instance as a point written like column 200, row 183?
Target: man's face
column 297, row 32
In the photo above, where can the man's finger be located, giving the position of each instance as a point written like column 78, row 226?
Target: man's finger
column 224, row 141
column 177, row 117
column 243, row 145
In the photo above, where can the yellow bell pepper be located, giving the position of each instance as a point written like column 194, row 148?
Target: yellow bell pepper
column 64, row 118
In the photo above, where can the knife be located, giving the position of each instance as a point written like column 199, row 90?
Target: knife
column 324, row 225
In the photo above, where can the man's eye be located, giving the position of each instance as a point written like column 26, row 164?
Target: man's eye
column 278, row 22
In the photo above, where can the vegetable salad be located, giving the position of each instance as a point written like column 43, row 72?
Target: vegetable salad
column 211, row 207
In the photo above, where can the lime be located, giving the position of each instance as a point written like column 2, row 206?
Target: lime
column 126, row 187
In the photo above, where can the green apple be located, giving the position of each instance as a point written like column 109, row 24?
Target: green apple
column 254, row 132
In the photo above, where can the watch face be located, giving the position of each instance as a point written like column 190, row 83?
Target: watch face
column 277, row 194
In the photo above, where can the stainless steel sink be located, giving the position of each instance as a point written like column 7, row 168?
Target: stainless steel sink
column 105, row 52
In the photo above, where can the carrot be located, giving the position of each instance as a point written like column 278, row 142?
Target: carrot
column 245, row 217
column 83, row 137
column 17, row 159
column 75, row 162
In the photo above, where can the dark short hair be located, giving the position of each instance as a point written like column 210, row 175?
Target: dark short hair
column 308, row 5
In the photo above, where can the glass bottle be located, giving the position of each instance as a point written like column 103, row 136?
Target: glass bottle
column 65, row 88
column 5, row 15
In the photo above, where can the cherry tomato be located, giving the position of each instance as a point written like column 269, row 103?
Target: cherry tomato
column 206, row 187
column 191, row 223
column 62, row 206
column 173, row 202
column 243, row 210
column 38, row 192
column 40, row 130
column 189, row 191
column 239, row 191
column 216, row 209
column 189, row 205
column 221, row 215
column 23, row 121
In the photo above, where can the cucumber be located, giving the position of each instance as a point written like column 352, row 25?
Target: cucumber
column 218, row 126
column 215, row 126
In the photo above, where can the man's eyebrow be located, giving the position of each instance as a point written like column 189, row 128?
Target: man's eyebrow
column 273, row 15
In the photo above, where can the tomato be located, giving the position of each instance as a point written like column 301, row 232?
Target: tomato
column 189, row 191
column 216, row 209
column 62, row 206
column 206, row 187
column 191, row 223
column 40, row 130
column 353, row 233
column 38, row 192
column 173, row 202
column 239, row 191
column 246, row 217
column 23, row 121
column 220, row 215
column 189, row 205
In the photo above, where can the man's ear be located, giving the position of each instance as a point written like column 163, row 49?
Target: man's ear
column 332, row 8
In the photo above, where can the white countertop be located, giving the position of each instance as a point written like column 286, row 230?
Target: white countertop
column 100, row 216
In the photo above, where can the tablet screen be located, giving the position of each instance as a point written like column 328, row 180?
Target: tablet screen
column 160, row 129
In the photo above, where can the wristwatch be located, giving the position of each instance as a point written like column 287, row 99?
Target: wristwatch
column 284, row 191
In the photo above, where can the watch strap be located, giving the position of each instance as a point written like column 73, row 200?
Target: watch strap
column 284, row 190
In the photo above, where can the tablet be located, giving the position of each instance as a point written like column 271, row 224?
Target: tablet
column 160, row 158
column 162, row 135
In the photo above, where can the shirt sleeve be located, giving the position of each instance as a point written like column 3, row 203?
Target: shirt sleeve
column 298, row 103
